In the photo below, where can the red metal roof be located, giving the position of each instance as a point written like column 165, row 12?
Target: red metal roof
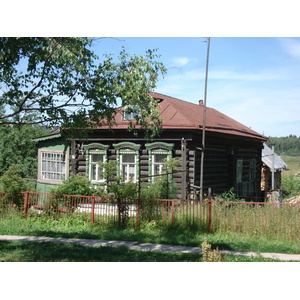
column 179, row 114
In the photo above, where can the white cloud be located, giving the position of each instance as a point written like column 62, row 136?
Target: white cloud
column 292, row 46
column 180, row 61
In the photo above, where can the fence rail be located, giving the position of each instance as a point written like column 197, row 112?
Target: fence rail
column 280, row 220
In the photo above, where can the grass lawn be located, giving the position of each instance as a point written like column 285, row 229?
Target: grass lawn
column 293, row 163
column 51, row 252
column 75, row 228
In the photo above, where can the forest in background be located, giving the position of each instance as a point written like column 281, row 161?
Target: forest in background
column 285, row 146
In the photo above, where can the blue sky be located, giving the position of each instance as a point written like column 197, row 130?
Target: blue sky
column 253, row 80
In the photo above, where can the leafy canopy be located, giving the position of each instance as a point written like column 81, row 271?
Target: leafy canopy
column 60, row 81
column 17, row 147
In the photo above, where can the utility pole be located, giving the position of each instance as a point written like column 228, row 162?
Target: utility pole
column 204, row 122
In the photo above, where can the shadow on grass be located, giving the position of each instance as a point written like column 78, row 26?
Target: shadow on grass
column 51, row 252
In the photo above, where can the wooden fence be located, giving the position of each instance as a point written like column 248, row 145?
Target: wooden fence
column 273, row 220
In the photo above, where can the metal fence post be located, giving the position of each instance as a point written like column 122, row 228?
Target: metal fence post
column 26, row 202
column 173, row 213
column 119, row 210
column 93, row 209
column 138, row 212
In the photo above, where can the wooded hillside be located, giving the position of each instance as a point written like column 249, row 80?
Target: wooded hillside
column 289, row 145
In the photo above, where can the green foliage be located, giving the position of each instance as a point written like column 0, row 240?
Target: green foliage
column 124, row 190
column 229, row 196
column 115, row 185
column 17, row 147
column 77, row 185
column 110, row 169
column 290, row 185
column 289, row 145
column 13, row 184
column 12, row 180
column 63, row 83
column 164, row 186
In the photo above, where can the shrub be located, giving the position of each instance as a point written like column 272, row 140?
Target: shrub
column 209, row 255
column 162, row 188
column 13, row 183
column 228, row 196
column 290, row 185
column 77, row 185
column 124, row 190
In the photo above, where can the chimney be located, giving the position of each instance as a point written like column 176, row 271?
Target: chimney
column 200, row 102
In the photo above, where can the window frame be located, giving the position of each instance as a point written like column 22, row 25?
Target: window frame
column 64, row 173
column 160, row 164
column 127, row 148
column 91, row 163
column 154, row 149
column 94, row 149
column 128, row 165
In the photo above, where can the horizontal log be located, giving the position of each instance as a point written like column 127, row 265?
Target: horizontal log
column 81, row 169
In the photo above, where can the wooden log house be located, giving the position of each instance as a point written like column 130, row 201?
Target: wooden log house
column 232, row 156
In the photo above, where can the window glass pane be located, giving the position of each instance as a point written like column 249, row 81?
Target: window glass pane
column 96, row 157
column 239, row 171
column 156, row 170
column 128, row 158
column 100, row 174
column 160, row 158
column 124, row 172
column 93, row 172
column 131, row 172
column 96, row 173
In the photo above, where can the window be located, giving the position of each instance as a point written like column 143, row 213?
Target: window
column 239, row 170
column 158, row 161
column 130, row 112
column 95, row 153
column 239, row 178
column 128, row 161
column 252, row 171
column 52, row 166
column 159, row 152
column 128, row 167
column 96, row 173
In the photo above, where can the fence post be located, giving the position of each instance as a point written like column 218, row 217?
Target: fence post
column 119, row 211
column 26, row 203
column 173, row 213
column 209, row 215
column 93, row 209
column 138, row 212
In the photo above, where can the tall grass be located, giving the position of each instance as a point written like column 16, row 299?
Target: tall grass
column 269, row 220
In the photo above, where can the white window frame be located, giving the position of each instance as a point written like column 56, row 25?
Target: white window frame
column 154, row 149
column 91, row 163
column 92, row 149
column 128, row 148
column 128, row 166
column 52, row 170
column 160, row 164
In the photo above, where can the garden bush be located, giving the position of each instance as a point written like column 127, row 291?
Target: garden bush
column 13, row 184
column 290, row 185
column 77, row 185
